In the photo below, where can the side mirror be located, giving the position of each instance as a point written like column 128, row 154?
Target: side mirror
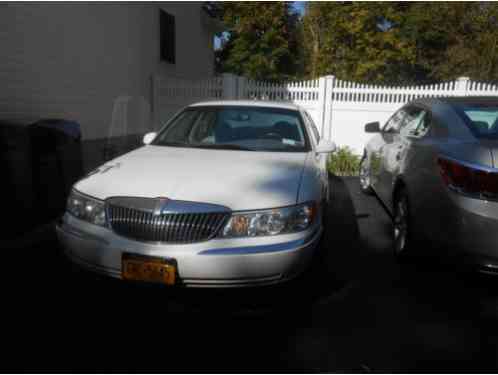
column 149, row 137
column 372, row 127
column 325, row 147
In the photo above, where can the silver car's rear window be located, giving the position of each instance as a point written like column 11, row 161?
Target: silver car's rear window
column 482, row 119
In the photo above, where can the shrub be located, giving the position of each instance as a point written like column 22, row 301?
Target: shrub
column 344, row 162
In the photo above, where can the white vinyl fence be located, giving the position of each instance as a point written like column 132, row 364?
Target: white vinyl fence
column 339, row 108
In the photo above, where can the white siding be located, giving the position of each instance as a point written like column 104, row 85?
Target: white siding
column 72, row 60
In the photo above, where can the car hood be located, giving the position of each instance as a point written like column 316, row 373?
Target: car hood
column 240, row 180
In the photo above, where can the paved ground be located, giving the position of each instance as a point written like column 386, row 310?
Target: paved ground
column 357, row 310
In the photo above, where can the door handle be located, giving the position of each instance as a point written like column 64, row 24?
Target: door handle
column 398, row 156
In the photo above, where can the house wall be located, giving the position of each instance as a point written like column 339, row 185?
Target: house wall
column 74, row 60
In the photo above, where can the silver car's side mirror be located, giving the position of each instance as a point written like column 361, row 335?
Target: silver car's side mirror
column 325, row 146
column 149, row 137
column 372, row 127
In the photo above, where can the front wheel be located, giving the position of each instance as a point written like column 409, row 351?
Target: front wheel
column 365, row 180
column 402, row 239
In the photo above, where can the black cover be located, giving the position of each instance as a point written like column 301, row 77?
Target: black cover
column 40, row 162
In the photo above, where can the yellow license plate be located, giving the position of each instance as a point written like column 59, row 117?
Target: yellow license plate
column 151, row 269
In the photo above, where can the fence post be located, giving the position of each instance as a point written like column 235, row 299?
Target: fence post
column 462, row 85
column 241, row 87
column 229, row 86
column 329, row 82
column 321, row 103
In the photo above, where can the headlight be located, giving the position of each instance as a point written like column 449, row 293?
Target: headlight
column 86, row 208
column 270, row 222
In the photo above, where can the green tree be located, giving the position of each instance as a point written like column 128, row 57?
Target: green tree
column 402, row 43
column 359, row 41
column 260, row 41
column 456, row 39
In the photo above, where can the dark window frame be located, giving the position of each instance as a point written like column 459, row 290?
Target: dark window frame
column 167, row 37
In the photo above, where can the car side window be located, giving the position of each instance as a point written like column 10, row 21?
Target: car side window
column 424, row 126
column 313, row 127
column 394, row 123
column 415, row 123
column 411, row 120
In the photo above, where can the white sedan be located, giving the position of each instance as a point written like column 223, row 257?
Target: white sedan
column 228, row 193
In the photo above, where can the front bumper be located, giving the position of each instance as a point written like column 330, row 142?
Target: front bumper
column 213, row 263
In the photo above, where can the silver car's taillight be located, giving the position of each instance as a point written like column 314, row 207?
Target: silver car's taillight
column 464, row 178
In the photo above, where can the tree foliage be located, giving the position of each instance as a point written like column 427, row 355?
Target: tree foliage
column 375, row 42
column 401, row 42
column 260, row 41
column 357, row 40
column 456, row 39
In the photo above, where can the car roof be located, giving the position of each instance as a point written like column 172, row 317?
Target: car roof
column 248, row 103
column 456, row 100
column 439, row 106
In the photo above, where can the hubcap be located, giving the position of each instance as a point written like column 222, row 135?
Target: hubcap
column 364, row 176
column 400, row 226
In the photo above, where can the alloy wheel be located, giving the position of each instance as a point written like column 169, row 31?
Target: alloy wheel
column 364, row 176
column 400, row 225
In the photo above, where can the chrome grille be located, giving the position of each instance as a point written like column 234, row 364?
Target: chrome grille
column 129, row 218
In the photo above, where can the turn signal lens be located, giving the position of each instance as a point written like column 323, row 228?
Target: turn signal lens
column 464, row 179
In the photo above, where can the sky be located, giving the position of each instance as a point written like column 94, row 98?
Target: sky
column 299, row 6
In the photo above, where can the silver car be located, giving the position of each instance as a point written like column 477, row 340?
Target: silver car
column 434, row 167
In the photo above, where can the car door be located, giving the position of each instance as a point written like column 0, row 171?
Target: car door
column 397, row 153
column 383, row 158
column 417, row 168
column 413, row 127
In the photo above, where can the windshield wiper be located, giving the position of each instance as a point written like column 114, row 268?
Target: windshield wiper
column 227, row 146
column 173, row 144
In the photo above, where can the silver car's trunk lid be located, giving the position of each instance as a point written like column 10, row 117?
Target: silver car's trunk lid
column 478, row 152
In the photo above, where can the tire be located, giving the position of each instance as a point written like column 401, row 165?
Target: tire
column 365, row 186
column 320, row 254
column 402, row 232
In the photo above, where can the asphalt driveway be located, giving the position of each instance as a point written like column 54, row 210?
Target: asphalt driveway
column 356, row 309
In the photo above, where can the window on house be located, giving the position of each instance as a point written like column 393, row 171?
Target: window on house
column 167, row 37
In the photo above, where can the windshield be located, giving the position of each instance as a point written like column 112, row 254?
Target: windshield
column 481, row 118
column 236, row 128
